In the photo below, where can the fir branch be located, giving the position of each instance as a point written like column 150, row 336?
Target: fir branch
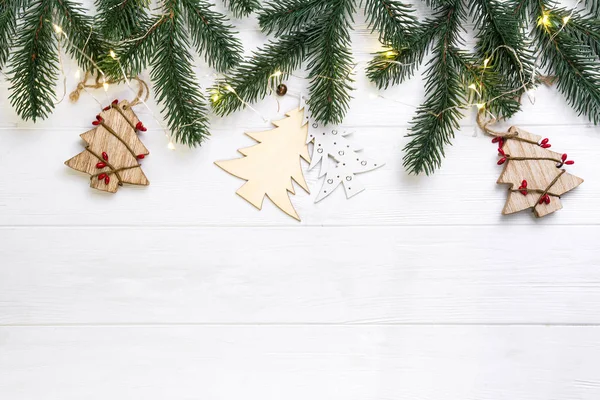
column 174, row 80
column 575, row 67
column 392, row 67
column 251, row 80
column 83, row 44
column 585, row 28
column 34, row 65
column 433, row 126
column 242, row 8
column 501, row 40
column 331, row 65
column 8, row 26
column 394, row 20
column 594, row 7
column 212, row 35
column 286, row 16
column 121, row 19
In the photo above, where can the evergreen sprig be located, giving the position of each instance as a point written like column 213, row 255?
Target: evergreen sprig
column 120, row 19
column 34, row 64
column 242, row 8
column 318, row 32
column 565, row 42
column 163, row 42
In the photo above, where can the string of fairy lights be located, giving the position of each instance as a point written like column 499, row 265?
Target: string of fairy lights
column 482, row 105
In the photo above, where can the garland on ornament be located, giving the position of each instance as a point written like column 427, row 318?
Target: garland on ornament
column 566, row 43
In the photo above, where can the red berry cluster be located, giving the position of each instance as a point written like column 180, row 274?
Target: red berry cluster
column 500, row 141
column 544, row 199
column 98, row 120
column 140, row 127
column 523, row 187
column 564, row 160
column 101, row 165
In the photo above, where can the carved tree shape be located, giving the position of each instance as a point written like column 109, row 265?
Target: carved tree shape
column 330, row 142
column 270, row 166
column 113, row 149
column 534, row 173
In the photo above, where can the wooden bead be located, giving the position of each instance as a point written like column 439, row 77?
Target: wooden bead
column 281, row 89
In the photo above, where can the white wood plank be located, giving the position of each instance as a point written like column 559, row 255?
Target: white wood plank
column 307, row 275
column 298, row 363
column 187, row 189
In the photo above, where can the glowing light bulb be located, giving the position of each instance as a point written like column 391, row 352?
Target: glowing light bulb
column 229, row 88
column 486, row 62
column 390, row 54
column 480, row 106
column 113, row 54
column 78, row 74
column 215, row 97
column 105, row 84
column 57, row 29
column 566, row 19
column 276, row 74
column 544, row 20
column 472, row 86
column 171, row 146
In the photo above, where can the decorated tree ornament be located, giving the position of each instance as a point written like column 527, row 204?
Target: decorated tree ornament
column 536, row 175
column 270, row 166
column 331, row 144
column 113, row 149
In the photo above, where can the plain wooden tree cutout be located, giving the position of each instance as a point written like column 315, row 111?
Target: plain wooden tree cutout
column 113, row 149
column 535, row 174
column 270, row 166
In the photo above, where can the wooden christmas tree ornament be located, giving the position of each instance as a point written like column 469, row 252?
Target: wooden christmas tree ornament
column 270, row 166
column 340, row 158
column 113, row 149
column 535, row 174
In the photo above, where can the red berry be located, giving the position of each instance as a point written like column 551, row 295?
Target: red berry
column 107, row 179
column 564, row 157
column 502, row 161
column 106, row 108
column 547, row 199
column 100, row 165
column 524, row 192
column 501, row 151
column 570, row 162
column 501, row 142
column 141, row 156
column 541, row 200
column 115, row 102
column 99, row 118
column 546, row 146
column 101, row 176
column 496, row 139
column 96, row 123
column 545, row 141
column 105, row 156
column 524, row 183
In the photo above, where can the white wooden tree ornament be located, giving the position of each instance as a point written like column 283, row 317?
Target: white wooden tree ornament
column 330, row 144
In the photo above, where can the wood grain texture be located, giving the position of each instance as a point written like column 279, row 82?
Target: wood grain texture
column 416, row 289
column 271, row 167
column 298, row 363
column 360, row 275
column 114, row 143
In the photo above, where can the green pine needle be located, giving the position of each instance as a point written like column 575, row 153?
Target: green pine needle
column 34, row 65
column 242, row 8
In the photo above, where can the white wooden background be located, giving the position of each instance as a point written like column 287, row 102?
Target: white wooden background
column 415, row 289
